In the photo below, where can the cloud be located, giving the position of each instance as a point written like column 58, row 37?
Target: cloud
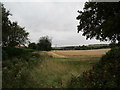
column 45, row 0
column 55, row 19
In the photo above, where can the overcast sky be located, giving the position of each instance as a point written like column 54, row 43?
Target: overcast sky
column 55, row 19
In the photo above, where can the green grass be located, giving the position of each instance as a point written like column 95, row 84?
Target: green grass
column 60, row 58
column 44, row 71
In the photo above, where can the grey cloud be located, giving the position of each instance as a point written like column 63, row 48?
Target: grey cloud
column 57, row 20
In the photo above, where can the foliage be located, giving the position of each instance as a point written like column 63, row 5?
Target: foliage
column 44, row 44
column 16, row 71
column 32, row 46
column 105, row 74
column 12, row 33
column 100, row 20
column 9, row 52
column 5, row 25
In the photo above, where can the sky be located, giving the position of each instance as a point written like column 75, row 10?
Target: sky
column 54, row 19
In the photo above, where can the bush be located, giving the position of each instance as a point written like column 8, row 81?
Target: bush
column 4, row 55
column 105, row 74
column 12, row 51
column 32, row 46
column 16, row 71
column 9, row 52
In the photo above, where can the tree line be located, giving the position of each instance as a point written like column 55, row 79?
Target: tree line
column 83, row 47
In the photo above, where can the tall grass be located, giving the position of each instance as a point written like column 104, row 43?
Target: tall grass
column 16, row 71
column 56, row 72
column 40, row 70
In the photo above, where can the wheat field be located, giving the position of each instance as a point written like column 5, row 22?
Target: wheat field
column 79, row 54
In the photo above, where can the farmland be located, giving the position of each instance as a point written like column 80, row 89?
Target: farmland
column 48, row 69
column 58, row 67
column 79, row 54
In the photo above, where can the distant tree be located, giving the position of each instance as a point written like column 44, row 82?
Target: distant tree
column 100, row 20
column 32, row 46
column 12, row 33
column 44, row 44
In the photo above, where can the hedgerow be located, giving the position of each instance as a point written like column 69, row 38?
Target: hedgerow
column 105, row 74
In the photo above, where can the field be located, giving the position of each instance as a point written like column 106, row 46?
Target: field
column 59, row 66
column 48, row 69
column 79, row 54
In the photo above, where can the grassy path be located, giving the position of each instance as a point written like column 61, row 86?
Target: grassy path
column 56, row 72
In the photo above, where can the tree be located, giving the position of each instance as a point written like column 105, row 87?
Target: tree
column 100, row 20
column 32, row 46
column 5, row 25
column 18, row 36
column 12, row 33
column 44, row 44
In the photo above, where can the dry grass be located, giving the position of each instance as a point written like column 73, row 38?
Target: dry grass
column 71, row 53
column 53, row 73
column 78, row 55
column 56, row 71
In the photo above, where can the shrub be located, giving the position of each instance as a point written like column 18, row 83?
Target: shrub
column 12, row 51
column 9, row 52
column 4, row 55
column 105, row 74
column 32, row 46
column 16, row 71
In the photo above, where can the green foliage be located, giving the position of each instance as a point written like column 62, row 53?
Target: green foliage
column 100, row 20
column 9, row 52
column 17, row 35
column 16, row 71
column 105, row 74
column 5, row 25
column 13, row 51
column 12, row 33
column 32, row 46
column 44, row 44
column 61, row 58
